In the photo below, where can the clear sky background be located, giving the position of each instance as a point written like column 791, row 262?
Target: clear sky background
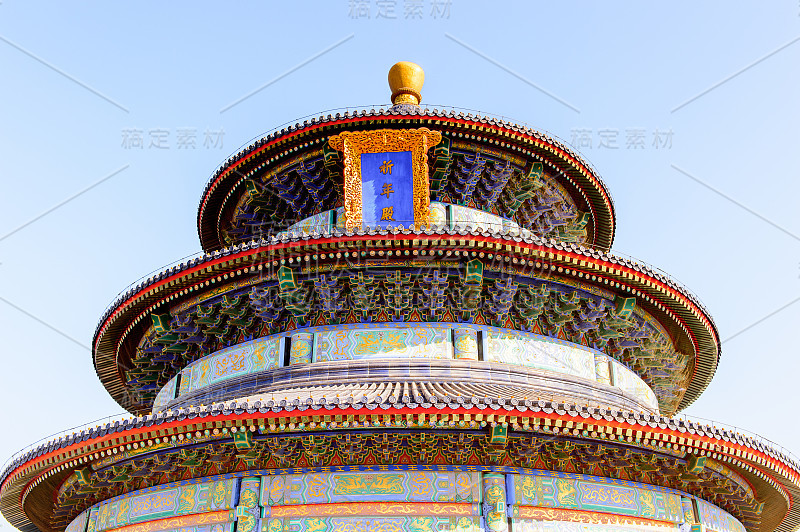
column 688, row 110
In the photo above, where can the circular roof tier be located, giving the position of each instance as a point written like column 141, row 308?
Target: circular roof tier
column 506, row 280
column 482, row 162
column 49, row 486
column 475, row 323
column 396, row 380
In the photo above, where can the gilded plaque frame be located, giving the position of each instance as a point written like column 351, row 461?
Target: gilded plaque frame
column 354, row 143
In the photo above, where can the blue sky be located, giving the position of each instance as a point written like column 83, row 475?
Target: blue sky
column 705, row 182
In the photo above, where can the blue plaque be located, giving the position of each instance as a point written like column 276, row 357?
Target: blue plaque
column 387, row 189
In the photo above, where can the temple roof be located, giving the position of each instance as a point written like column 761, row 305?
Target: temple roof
column 688, row 323
column 268, row 166
column 750, row 471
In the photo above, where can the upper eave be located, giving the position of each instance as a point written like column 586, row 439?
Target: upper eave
column 576, row 174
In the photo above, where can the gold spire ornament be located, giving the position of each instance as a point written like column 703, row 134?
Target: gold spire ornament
column 405, row 81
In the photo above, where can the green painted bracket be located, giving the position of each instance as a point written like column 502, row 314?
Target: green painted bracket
column 696, row 464
column 161, row 322
column 625, row 306
column 286, row 279
column 243, row 439
column 474, row 272
column 252, row 188
column 499, row 435
column 84, row 476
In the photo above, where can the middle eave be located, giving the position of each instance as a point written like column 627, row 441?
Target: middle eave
column 678, row 310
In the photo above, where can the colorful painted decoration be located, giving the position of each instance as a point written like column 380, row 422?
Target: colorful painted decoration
column 167, row 394
column 440, row 215
column 541, row 353
column 372, row 524
column 246, row 358
column 563, row 312
column 467, row 218
column 79, row 524
column 553, row 490
column 317, row 223
column 302, row 349
column 716, row 519
column 529, row 525
column 602, row 369
column 398, row 486
column 629, row 382
column 688, row 510
column 162, row 504
column 494, row 502
column 416, row 342
column 248, row 511
column 429, row 341
column 465, row 343
column 539, row 500
column 361, row 493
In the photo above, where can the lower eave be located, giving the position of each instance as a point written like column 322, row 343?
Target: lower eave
column 52, row 461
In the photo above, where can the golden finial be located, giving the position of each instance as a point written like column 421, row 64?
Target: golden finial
column 405, row 81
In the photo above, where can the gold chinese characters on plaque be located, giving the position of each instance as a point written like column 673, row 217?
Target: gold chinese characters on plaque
column 386, row 176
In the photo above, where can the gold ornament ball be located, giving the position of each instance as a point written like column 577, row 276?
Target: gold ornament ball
column 405, row 81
